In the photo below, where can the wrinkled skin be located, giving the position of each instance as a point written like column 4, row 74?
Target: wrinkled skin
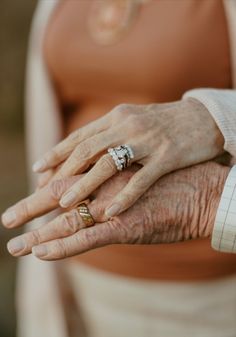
column 164, row 137
column 180, row 206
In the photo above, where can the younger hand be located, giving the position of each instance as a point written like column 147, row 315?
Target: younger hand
column 164, row 137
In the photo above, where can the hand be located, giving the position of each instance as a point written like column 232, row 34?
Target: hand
column 164, row 137
column 180, row 206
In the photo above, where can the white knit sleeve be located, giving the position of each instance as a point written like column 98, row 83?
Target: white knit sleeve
column 221, row 104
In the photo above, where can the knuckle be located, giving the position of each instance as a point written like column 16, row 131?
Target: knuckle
column 74, row 136
column 88, row 237
column 69, row 222
column 125, row 231
column 122, row 110
column 24, row 209
column 117, row 232
column 137, row 123
column 139, row 184
column 97, row 206
column 59, row 249
column 82, row 151
column 33, row 237
column 123, row 107
column 57, row 188
column 106, row 163
column 68, row 168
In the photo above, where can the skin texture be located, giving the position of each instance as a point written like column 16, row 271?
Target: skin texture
column 179, row 206
column 164, row 137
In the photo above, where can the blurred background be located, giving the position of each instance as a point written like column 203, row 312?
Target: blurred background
column 15, row 18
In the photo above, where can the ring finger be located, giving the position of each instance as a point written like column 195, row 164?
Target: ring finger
column 104, row 169
column 87, row 153
column 62, row 226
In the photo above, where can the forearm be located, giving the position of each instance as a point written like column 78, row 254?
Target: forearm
column 210, row 202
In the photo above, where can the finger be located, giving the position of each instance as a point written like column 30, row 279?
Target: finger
column 99, row 173
column 136, row 187
column 62, row 226
column 62, row 150
column 48, row 176
column 40, row 202
column 87, row 153
column 86, row 239
column 45, row 177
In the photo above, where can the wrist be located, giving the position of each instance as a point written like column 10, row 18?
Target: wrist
column 216, row 135
column 212, row 201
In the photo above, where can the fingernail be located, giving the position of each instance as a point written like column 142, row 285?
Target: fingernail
column 40, row 251
column 39, row 165
column 15, row 246
column 113, row 210
column 8, row 217
column 68, row 199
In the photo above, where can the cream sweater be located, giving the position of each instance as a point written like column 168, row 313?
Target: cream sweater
column 40, row 309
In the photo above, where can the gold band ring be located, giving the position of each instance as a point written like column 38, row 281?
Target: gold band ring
column 85, row 215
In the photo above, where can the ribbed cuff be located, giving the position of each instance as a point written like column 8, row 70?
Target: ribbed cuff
column 221, row 104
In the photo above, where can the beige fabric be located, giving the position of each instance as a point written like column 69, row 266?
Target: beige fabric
column 116, row 306
column 40, row 311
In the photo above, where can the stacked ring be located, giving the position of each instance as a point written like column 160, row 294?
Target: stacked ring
column 122, row 156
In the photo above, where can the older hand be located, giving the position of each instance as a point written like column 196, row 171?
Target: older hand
column 164, row 137
column 180, row 206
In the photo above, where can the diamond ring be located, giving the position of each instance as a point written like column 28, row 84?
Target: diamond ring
column 122, row 156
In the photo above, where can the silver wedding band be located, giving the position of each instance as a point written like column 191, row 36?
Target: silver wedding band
column 122, row 156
